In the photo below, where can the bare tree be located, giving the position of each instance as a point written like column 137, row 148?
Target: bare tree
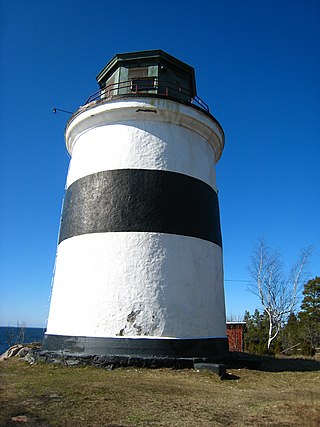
column 231, row 317
column 278, row 292
column 16, row 335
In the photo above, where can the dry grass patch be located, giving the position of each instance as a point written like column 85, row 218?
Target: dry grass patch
column 51, row 395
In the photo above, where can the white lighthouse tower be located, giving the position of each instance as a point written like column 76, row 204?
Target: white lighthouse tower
column 139, row 272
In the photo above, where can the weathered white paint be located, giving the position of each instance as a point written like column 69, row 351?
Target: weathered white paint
column 147, row 109
column 147, row 134
column 142, row 145
column 143, row 284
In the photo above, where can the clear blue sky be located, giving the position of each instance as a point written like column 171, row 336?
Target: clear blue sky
column 257, row 66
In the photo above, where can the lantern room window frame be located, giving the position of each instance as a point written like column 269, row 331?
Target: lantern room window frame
column 143, row 84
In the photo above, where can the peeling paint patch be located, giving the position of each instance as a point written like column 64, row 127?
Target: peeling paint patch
column 132, row 316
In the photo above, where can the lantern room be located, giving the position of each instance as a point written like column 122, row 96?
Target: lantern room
column 152, row 72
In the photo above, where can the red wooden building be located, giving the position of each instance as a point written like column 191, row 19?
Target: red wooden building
column 235, row 334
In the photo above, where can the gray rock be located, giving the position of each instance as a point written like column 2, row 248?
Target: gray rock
column 216, row 368
column 11, row 352
column 21, row 419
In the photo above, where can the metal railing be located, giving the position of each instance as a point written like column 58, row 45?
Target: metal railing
column 148, row 86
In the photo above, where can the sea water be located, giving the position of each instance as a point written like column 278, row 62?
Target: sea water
column 10, row 335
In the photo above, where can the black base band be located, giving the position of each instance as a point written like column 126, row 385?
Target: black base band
column 160, row 351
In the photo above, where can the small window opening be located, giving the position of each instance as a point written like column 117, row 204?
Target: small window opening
column 143, row 84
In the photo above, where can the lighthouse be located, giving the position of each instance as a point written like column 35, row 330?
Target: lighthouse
column 139, row 271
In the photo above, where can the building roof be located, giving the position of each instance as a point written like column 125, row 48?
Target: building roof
column 236, row 323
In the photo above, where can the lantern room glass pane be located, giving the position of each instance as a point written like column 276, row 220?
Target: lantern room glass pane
column 143, row 84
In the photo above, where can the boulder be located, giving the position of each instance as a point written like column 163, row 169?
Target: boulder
column 20, row 350
column 12, row 351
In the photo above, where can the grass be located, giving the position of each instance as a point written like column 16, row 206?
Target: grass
column 50, row 395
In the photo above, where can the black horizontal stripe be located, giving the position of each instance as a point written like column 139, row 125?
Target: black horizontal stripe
column 142, row 200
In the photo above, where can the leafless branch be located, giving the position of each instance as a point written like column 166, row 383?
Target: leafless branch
column 277, row 292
